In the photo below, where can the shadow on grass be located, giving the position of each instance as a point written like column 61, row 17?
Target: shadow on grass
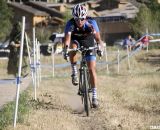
column 151, row 59
column 141, row 109
column 147, row 103
column 153, row 87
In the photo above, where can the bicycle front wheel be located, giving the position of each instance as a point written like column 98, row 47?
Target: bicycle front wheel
column 86, row 93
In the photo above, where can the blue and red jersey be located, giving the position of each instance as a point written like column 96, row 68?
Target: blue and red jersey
column 90, row 26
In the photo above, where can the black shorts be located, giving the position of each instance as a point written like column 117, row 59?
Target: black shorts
column 86, row 42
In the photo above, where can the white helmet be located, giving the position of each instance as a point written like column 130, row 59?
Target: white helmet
column 79, row 11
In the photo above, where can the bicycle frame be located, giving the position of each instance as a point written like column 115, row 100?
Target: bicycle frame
column 84, row 84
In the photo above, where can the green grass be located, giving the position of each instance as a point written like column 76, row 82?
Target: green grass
column 7, row 112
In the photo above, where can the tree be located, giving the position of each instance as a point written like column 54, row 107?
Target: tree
column 147, row 18
column 142, row 21
column 155, row 9
column 5, row 17
column 153, row 5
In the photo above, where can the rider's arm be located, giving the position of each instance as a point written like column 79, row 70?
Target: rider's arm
column 67, row 37
column 97, row 33
column 98, row 39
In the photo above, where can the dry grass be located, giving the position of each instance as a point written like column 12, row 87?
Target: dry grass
column 134, row 100
column 128, row 100
column 3, row 68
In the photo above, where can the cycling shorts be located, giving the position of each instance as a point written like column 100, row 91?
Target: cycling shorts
column 90, row 58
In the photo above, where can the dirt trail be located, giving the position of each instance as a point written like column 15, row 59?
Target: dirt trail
column 8, row 89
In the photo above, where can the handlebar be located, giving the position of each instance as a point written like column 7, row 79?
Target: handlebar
column 82, row 49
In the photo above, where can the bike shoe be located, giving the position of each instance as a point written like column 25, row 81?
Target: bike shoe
column 95, row 103
column 74, row 79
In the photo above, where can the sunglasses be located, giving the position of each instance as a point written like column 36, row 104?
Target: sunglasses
column 79, row 19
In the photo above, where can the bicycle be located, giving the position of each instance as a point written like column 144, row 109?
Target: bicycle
column 84, row 78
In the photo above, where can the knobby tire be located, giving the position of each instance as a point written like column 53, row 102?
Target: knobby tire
column 86, row 94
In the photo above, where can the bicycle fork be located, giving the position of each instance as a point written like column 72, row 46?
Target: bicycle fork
column 81, row 85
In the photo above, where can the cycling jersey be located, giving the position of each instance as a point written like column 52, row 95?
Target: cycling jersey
column 88, row 27
column 84, row 34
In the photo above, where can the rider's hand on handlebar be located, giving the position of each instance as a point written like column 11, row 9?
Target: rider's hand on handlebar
column 100, row 51
column 66, row 54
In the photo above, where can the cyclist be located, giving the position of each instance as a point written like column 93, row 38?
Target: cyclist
column 82, row 30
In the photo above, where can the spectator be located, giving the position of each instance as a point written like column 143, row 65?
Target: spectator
column 143, row 42
column 129, row 41
column 14, row 46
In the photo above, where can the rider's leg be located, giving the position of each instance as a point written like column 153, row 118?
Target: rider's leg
column 73, row 60
column 93, row 79
column 92, row 71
